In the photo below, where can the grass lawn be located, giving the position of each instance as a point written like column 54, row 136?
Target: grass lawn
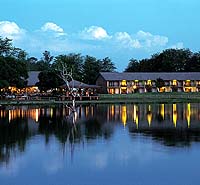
column 153, row 97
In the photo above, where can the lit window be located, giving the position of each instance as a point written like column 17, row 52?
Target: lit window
column 111, row 91
column 187, row 83
column 148, row 82
column 123, row 83
column 174, row 82
column 136, row 82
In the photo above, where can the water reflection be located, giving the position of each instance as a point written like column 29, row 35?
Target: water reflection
column 169, row 124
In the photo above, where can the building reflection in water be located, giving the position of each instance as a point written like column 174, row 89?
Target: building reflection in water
column 135, row 115
column 162, row 111
column 174, row 110
column 20, row 113
column 124, row 115
column 36, row 115
column 188, row 114
column 142, row 115
column 155, row 115
column 149, row 115
column 18, row 124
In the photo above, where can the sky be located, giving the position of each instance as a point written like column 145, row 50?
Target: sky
column 119, row 29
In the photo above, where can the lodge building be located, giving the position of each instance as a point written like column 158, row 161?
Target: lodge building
column 126, row 82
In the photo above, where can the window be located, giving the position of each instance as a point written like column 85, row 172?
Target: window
column 123, row 83
column 174, row 82
column 187, row 83
column 113, row 84
column 116, row 84
column 149, row 82
column 136, row 82
column 111, row 91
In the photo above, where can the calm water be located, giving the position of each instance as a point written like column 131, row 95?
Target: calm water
column 133, row 144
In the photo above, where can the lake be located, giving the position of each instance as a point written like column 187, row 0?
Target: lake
column 100, row 144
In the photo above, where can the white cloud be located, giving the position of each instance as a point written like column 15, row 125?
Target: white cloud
column 141, row 40
column 52, row 37
column 178, row 45
column 11, row 30
column 126, row 40
column 149, row 40
column 52, row 27
column 94, row 33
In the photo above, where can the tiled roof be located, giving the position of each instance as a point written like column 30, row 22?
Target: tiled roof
column 115, row 76
column 33, row 77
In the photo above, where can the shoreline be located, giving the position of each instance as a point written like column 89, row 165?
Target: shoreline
column 117, row 98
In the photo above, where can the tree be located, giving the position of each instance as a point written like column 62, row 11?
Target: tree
column 13, row 66
column 67, row 76
column 47, row 58
column 107, row 65
column 13, row 71
column 72, row 62
column 169, row 60
column 3, row 84
column 91, row 69
column 5, row 46
column 133, row 66
column 146, row 65
column 48, row 80
column 175, row 59
column 193, row 64
column 7, row 49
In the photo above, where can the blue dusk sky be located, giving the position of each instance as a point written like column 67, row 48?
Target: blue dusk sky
column 119, row 29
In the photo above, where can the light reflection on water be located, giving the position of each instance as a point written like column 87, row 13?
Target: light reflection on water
column 100, row 144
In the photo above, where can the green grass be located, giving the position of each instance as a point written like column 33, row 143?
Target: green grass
column 153, row 97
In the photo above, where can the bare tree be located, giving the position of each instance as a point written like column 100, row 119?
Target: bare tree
column 67, row 77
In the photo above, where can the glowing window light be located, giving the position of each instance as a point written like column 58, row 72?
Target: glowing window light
column 112, row 110
column 36, row 115
column 188, row 114
column 162, row 111
column 174, row 82
column 123, row 83
column 51, row 112
column 124, row 115
column 2, row 114
column 135, row 116
column 92, row 111
column 9, row 116
column 87, row 111
column 149, row 82
column 149, row 115
column 111, row 91
column 174, row 114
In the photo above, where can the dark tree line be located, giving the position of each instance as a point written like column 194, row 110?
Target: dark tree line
column 15, row 64
column 170, row 60
column 83, row 68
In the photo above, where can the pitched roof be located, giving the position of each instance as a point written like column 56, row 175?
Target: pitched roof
column 115, row 76
column 33, row 78
column 78, row 84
